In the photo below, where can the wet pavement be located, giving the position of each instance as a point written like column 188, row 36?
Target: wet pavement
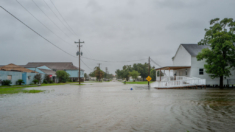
column 112, row 106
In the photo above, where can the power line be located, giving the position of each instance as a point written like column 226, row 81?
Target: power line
column 50, row 19
column 56, row 15
column 86, row 65
column 41, row 22
column 155, row 63
column 62, row 17
column 110, row 61
column 37, row 32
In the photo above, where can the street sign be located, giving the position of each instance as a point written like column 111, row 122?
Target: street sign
column 148, row 78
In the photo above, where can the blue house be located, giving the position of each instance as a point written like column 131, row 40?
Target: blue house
column 14, row 73
column 43, row 70
column 55, row 66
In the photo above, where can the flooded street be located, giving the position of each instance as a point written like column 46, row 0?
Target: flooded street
column 112, row 106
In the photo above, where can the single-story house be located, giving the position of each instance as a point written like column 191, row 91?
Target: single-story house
column 44, row 70
column 14, row 73
column 55, row 66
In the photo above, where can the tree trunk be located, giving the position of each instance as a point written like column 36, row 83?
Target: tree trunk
column 221, row 82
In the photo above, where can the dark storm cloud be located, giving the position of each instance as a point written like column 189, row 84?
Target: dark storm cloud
column 112, row 30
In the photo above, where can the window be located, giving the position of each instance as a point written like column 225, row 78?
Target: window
column 9, row 77
column 186, row 73
column 201, row 71
column 29, row 77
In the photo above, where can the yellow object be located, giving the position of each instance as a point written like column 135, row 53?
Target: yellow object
column 148, row 78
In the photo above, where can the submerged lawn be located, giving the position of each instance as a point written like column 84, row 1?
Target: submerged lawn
column 141, row 82
column 21, row 88
column 17, row 89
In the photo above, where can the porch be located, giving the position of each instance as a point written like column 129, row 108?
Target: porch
column 164, row 81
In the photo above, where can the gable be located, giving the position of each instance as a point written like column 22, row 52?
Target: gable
column 182, row 57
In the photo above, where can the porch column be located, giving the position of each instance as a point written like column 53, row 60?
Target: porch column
column 160, row 74
column 169, row 74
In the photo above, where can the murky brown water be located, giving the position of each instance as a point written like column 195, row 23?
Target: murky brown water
column 114, row 107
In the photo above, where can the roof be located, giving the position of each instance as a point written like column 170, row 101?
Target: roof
column 173, row 67
column 194, row 49
column 53, row 65
column 48, row 72
column 13, row 67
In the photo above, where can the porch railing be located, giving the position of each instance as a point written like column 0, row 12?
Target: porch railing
column 179, row 81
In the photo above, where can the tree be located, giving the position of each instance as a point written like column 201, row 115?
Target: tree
column 153, row 74
column 62, row 75
column 85, row 75
column 47, row 79
column 38, row 77
column 220, row 57
column 142, row 69
column 134, row 74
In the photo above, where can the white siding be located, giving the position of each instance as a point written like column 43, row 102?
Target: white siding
column 196, row 65
column 182, row 57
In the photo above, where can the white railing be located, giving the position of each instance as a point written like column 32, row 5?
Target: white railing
column 179, row 81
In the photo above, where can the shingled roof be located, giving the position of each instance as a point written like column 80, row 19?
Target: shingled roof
column 48, row 72
column 194, row 49
column 13, row 67
column 53, row 65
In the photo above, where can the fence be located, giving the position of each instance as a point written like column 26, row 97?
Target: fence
column 179, row 81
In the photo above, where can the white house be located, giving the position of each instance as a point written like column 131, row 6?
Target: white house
column 187, row 70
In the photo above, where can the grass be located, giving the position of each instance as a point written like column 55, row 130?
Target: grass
column 139, row 82
column 17, row 89
column 21, row 88
column 78, row 84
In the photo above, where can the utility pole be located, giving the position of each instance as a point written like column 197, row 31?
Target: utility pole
column 149, row 69
column 106, row 70
column 79, row 59
column 99, row 72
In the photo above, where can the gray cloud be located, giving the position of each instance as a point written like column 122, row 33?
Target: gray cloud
column 112, row 30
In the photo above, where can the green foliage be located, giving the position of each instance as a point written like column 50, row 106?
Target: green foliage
column 62, row 75
column 38, row 77
column 99, row 74
column 134, row 74
column 143, row 69
column 85, row 75
column 20, row 81
column 35, row 81
column 153, row 74
column 220, row 57
column 47, row 79
column 6, row 82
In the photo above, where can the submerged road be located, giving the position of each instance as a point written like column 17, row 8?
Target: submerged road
column 112, row 106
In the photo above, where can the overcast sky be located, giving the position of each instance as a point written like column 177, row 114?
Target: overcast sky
column 113, row 30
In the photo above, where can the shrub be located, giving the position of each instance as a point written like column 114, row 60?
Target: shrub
column 6, row 82
column 20, row 81
column 47, row 78
column 62, row 75
column 51, row 81
column 35, row 81
column 38, row 77
column 45, row 81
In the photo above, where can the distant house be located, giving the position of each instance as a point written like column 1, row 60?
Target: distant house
column 55, row 66
column 14, row 72
column 187, row 67
column 92, row 78
column 44, row 70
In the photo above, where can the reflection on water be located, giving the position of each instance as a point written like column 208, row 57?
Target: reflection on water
column 114, row 107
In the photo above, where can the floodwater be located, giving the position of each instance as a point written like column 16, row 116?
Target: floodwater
column 114, row 107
